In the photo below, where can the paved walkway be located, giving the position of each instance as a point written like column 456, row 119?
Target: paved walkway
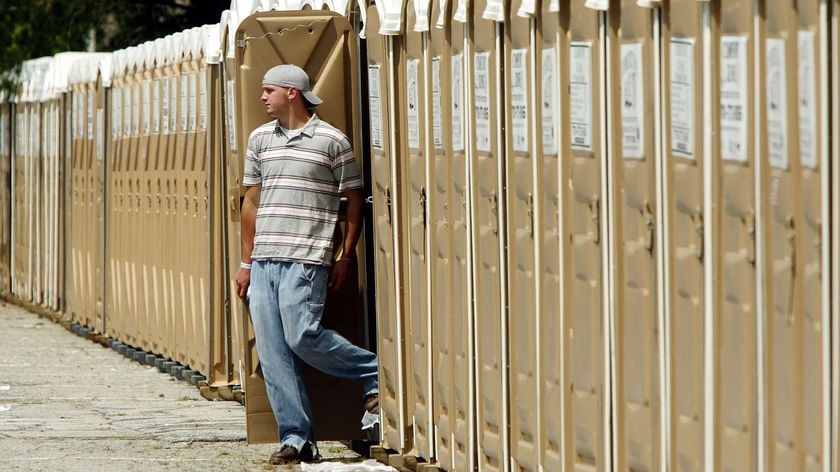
column 70, row 404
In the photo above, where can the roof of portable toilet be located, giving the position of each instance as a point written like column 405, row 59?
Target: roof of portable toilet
column 32, row 78
column 211, row 43
column 104, row 67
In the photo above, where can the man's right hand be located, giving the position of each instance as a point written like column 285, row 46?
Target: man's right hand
column 243, row 281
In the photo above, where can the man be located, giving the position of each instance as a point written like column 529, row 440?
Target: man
column 296, row 168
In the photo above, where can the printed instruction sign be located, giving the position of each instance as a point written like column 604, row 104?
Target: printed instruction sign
column 549, row 101
column 458, row 102
column 135, row 109
column 682, row 98
column 173, row 104
column 89, row 120
column 437, row 110
column 100, row 133
column 375, row 107
column 580, row 94
column 519, row 98
column 807, row 100
column 413, row 104
column 147, row 106
column 156, row 106
column 116, row 114
column 202, row 100
column 632, row 106
column 165, row 104
column 185, row 105
column 734, row 114
column 193, row 94
column 777, row 139
column 231, row 115
column 482, row 101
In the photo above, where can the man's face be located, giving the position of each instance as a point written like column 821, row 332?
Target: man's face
column 276, row 100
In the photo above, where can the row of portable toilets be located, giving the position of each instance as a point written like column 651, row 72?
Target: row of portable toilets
column 603, row 235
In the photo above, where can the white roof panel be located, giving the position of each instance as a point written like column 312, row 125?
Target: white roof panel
column 390, row 16
column 494, row 11
column 602, row 5
column 211, row 43
column 421, row 15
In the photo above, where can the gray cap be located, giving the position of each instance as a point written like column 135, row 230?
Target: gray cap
column 289, row 75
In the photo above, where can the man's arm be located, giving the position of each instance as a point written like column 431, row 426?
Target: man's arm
column 353, row 228
column 248, row 216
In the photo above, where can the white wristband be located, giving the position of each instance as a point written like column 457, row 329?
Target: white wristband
column 244, row 265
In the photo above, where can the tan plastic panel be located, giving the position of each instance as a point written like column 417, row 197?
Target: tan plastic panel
column 462, row 411
column 522, row 197
column 113, row 197
column 553, row 65
column 81, row 285
column 95, row 233
column 415, row 114
column 683, row 51
column 235, row 315
column 793, row 215
column 325, row 48
column 389, row 324
column 5, row 196
column 584, row 211
column 26, row 185
column 834, row 45
column 153, row 273
column 735, row 250
column 442, row 210
column 486, row 153
column 633, row 134
column 815, row 248
column 51, row 247
column 139, row 252
column 165, row 181
column 220, row 369
column 119, row 226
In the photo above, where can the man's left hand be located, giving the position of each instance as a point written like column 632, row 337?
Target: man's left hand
column 339, row 273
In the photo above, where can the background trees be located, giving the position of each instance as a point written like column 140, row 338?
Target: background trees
column 35, row 28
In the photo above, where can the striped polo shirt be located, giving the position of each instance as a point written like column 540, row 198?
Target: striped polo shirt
column 301, row 178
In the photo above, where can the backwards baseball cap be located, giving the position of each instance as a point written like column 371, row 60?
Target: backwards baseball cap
column 289, row 75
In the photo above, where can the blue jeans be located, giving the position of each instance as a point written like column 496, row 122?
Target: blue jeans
column 287, row 301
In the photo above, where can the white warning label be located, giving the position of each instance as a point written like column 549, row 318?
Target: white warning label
column 632, row 106
column 458, row 102
column 482, row 101
column 231, row 115
column 375, row 107
column 580, row 95
column 776, row 104
column 519, row 98
column 682, row 98
column 156, row 106
column 437, row 109
column 90, row 114
column 193, row 94
column 202, row 100
column 165, row 105
column 807, row 100
column 116, row 113
column 549, row 101
column 173, row 103
column 413, row 104
column 734, row 114
column 135, row 109
column 147, row 106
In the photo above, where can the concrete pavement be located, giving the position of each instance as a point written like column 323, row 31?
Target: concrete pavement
column 67, row 403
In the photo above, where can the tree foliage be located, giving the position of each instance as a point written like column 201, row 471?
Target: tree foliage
column 36, row 28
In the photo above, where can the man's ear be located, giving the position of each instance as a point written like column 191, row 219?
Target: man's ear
column 293, row 92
